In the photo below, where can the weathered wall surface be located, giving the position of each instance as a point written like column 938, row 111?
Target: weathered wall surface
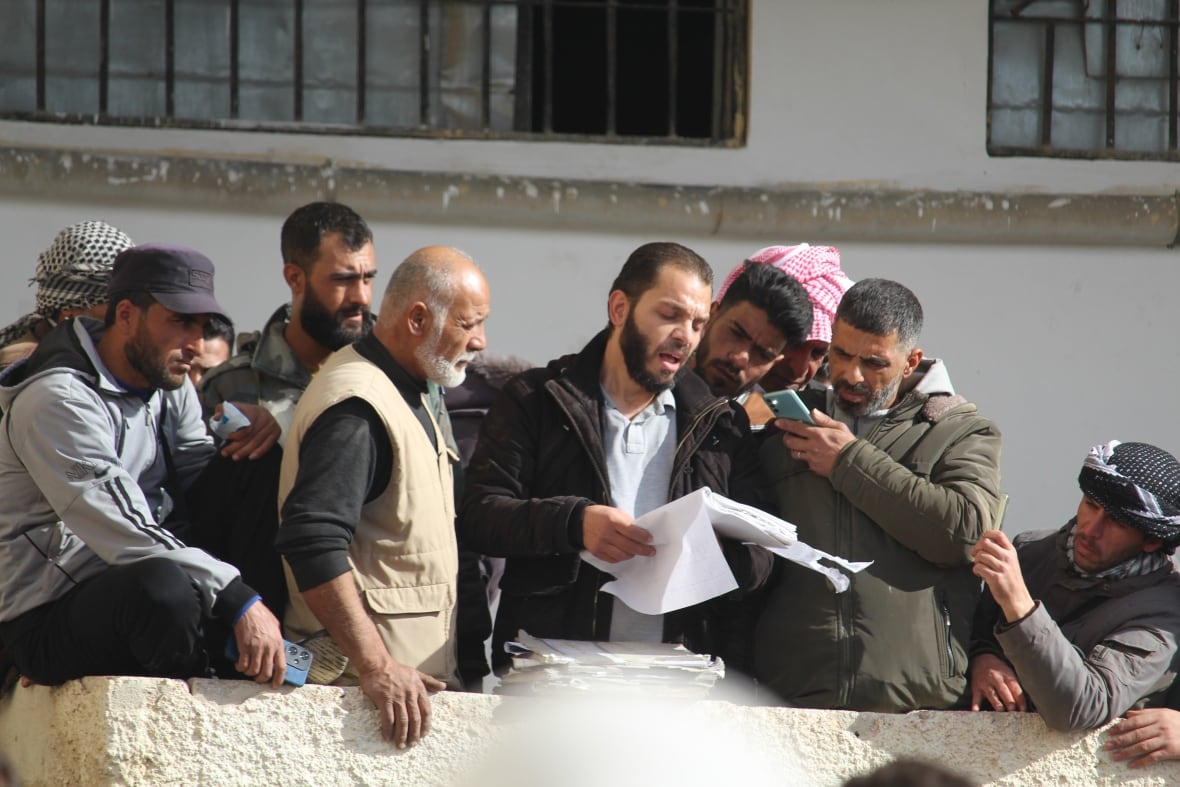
column 139, row 731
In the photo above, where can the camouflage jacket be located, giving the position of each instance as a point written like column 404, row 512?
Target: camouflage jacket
column 267, row 374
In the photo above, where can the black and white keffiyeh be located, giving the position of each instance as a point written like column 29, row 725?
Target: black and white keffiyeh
column 72, row 273
column 1137, row 484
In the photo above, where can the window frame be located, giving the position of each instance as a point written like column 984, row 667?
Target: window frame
column 728, row 118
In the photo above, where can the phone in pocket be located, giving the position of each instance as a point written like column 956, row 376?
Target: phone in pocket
column 787, row 404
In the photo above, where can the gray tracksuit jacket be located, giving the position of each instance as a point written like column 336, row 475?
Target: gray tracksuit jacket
column 83, row 475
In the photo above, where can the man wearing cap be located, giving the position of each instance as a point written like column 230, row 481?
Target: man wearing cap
column 101, row 436
column 71, row 278
column 1081, row 623
column 761, row 313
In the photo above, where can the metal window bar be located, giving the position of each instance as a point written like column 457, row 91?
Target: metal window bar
column 1173, row 68
column 547, row 54
column 719, row 39
column 673, row 62
column 235, row 101
column 1111, row 67
column 362, row 27
column 170, row 58
column 424, row 64
column 298, row 65
column 612, row 67
column 485, row 76
column 1109, row 22
column 104, row 55
column 40, row 55
column 1047, row 85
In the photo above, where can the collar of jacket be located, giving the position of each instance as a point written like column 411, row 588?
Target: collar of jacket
column 273, row 356
column 579, row 374
column 1115, row 588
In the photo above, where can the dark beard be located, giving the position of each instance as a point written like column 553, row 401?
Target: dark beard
column 145, row 359
column 327, row 328
column 635, row 354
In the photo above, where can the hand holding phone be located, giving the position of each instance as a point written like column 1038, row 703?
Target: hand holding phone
column 787, row 404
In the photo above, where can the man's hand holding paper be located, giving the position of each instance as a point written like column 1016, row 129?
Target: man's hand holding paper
column 610, row 535
column 685, row 564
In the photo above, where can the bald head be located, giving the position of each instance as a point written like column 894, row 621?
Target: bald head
column 433, row 313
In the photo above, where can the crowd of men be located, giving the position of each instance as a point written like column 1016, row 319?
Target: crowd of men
column 344, row 516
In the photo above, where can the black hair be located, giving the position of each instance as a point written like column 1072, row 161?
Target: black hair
column 786, row 303
column 882, row 307
column 218, row 328
column 306, row 227
column 139, row 299
column 643, row 267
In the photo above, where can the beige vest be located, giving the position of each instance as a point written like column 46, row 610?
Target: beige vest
column 403, row 555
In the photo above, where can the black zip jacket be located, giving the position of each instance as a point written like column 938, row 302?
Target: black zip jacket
column 540, row 462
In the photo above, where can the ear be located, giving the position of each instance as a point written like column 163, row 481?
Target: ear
column 418, row 319
column 1152, row 545
column 912, row 361
column 295, row 277
column 617, row 307
column 127, row 316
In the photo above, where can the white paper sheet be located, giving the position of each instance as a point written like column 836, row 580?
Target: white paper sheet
column 689, row 568
column 686, row 569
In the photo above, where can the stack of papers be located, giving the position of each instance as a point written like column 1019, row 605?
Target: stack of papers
column 649, row 669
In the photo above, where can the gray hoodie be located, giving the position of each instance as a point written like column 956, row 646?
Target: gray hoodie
column 83, row 475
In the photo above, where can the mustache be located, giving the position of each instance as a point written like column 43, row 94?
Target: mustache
column 674, row 346
column 859, row 388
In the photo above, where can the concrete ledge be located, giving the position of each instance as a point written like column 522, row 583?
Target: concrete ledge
column 116, row 731
column 221, row 182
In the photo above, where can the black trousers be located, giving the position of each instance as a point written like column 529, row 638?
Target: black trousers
column 233, row 508
column 142, row 618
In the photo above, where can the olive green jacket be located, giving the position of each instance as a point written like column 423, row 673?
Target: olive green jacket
column 913, row 496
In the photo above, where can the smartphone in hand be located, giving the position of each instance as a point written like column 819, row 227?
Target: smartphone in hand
column 787, row 404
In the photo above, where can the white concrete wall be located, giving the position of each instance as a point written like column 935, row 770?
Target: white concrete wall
column 1062, row 346
column 140, row 731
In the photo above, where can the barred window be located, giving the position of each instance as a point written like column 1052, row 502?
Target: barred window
column 666, row 71
column 1084, row 78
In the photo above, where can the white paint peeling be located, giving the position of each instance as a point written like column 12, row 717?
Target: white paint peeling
column 555, row 196
column 451, row 191
column 530, row 190
column 703, row 207
column 1059, row 203
column 499, row 192
column 1004, row 204
column 67, row 162
column 988, row 204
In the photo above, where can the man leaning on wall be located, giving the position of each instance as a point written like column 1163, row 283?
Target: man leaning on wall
column 1081, row 623
column 101, row 437
column 369, row 543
